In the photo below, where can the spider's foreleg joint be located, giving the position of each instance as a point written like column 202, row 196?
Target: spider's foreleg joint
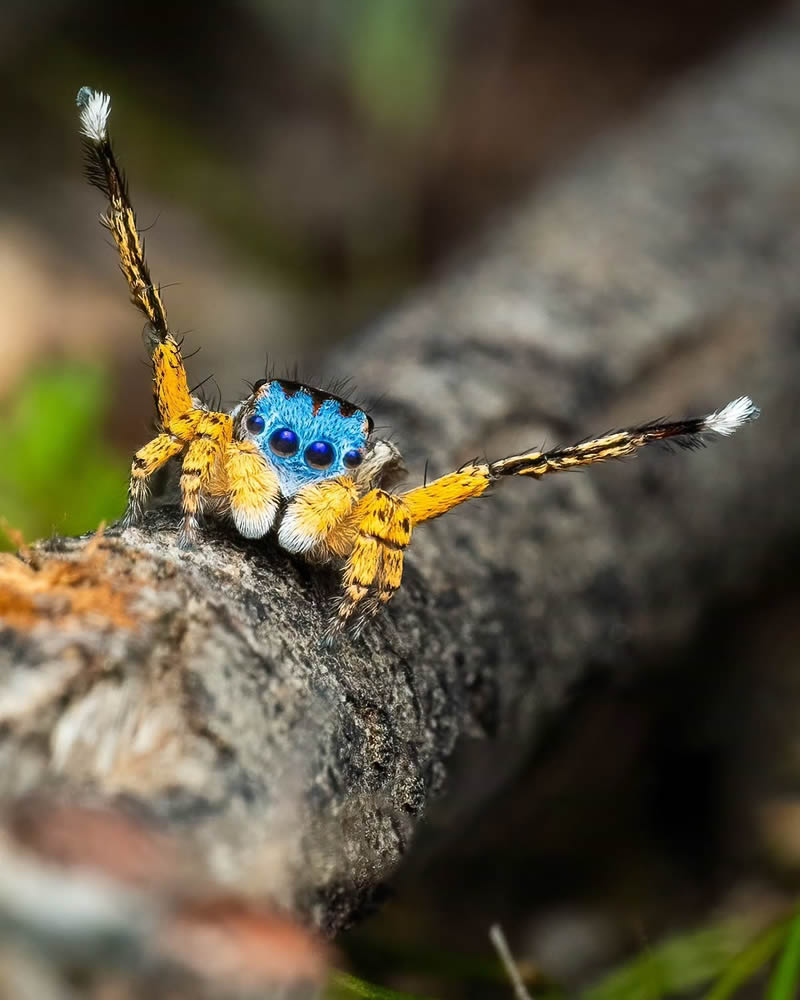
column 147, row 461
column 438, row 497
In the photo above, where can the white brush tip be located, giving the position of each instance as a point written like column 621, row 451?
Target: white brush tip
column 731, row 417
column 95, row 107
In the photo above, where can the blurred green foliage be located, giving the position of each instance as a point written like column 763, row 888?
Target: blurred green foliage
column 392, row 56
column 395, row 60
column 57, row 473
column 724, row 958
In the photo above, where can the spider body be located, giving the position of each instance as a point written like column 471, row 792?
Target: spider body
column 303, row 464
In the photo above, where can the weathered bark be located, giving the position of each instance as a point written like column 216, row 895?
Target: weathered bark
column 659, row 275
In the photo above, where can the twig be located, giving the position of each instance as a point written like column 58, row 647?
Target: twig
column 498, row 939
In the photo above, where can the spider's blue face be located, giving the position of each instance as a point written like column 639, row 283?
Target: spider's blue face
column 307, row 435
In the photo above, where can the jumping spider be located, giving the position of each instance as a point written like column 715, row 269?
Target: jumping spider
column 302, row 462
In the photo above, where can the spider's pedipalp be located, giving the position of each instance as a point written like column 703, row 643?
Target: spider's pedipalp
column 320, row 519
column 250, row 487
column 382, row 467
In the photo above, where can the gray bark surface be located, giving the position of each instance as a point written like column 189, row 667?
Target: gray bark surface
column 658, row 275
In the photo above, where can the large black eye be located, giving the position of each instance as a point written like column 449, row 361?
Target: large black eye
column 353, row 458
column 255, row 423
column 320, row 454
column 284, row 442
column 257, row 385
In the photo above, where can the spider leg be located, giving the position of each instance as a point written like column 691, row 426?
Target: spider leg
column 146, row 461
column 170, row 386
column 204, row 453
column 690, row 433
column 374, row 567
column 427, row 502
column 104, row 173
column 439, row 496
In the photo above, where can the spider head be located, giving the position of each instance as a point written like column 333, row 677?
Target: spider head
column 306, row 434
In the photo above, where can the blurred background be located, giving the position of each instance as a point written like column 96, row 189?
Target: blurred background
column 298, row 167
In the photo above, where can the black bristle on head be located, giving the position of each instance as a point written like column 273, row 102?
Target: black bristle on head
column 338, row 389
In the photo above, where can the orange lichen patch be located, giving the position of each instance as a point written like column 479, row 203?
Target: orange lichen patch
column 43, row 587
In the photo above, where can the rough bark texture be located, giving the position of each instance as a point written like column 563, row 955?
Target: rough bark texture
column 659, row 275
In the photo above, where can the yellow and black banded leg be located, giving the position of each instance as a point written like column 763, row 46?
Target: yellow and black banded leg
column 201, row 455
column 204, row 453
column 690, row 433
column 173, row 397
column 427, row 502
column 374, row 568
column 147, row 461
column 170, row 386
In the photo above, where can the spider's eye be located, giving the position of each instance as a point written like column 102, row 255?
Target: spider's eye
column 353, row 458
column 257, row 385
column 284, row 442
column 255, row 423
column 320, row 454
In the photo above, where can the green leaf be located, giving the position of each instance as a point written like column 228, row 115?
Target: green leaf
column 396, row 59
column 753, row 959
column 343, row 986
column 785, row 979
column 675, row 966
column 57, row 472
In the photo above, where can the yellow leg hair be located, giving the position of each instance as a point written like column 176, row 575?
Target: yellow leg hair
column 146, row 461
column 250, row 487
column 374, row 569
column 427, row 502
column 320, row 521
column 197, row 468
column 170, row 388
column 538, row 463
column 211, row 436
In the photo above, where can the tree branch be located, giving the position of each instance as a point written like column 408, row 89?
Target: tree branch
column 659, row 275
